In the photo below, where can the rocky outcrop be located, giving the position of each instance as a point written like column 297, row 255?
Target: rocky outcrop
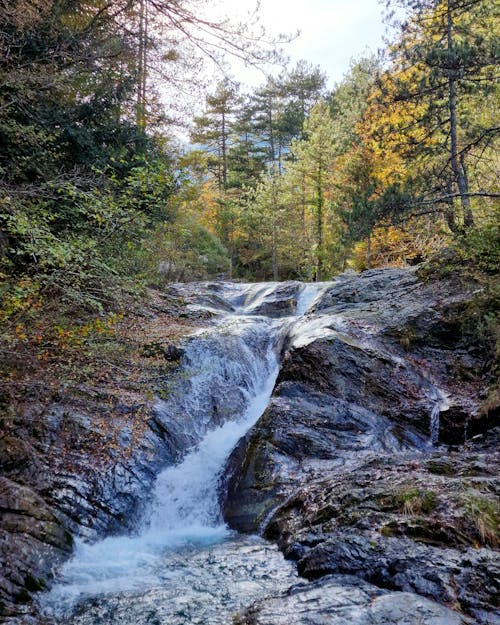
column 68, row 472
column 338, row 600
column 387, row 511
column 373, row 458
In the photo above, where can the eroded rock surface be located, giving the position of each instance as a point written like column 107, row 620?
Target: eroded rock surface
column 82, row 464
column 337, row 600
column 342, row 470
column 346, row 469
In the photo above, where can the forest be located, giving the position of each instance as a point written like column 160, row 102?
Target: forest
column 102, row 193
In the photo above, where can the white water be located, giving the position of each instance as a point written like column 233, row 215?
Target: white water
column 435, row 425
column 185, row 511
column 308, row 296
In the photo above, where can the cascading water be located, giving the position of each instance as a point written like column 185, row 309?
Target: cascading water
column 434, row 424
column 184, row 566
column 441, row 404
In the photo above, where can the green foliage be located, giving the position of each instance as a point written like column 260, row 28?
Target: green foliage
column 413, row 501
column 78, row 240
column 484, row 513
column 180, row 251
column 480, row 246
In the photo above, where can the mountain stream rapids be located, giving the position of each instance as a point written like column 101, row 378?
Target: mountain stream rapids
column 183, row 565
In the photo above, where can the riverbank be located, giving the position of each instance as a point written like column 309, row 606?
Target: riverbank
column 80, row 443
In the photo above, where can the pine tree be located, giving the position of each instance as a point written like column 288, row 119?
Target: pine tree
column 316, row 156
column 447, row 54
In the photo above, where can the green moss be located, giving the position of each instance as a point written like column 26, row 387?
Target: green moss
column 324, row 514
column 429, row 502
column 440, row 467
column 388, row 530
column 413, row 501
column 406, row 337
column 33, row 584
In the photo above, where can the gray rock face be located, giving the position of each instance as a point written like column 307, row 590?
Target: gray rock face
column 59, row 482
column 340, row 469
column 337, row 600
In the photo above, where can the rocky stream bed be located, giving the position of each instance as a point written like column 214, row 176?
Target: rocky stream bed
column 365, row 457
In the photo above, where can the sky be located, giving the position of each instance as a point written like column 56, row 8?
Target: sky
column 332, row 31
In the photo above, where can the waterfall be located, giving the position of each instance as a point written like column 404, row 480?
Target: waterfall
column 235, row 363
column 434, row 423
column 186, row 494
column 307, row 297
column 441, row 404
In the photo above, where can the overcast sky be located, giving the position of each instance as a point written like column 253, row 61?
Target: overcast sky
column 332, row 31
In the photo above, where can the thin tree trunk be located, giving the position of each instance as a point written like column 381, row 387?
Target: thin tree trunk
column 271, row 131
column 274, row 240
column 224, row 152
column 140, row 113
column 319, row 225
column 458, row 171
column 468, row 216
column 275, row 251
column 450, row 210
column 231, row 248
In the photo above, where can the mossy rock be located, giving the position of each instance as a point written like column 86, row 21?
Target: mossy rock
column 440, row 467
column 33, row 584
column 427, row 531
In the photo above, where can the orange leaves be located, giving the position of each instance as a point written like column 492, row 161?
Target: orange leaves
column 20, row 298
column 20, row 332
column 393, row 246
column 53, row 343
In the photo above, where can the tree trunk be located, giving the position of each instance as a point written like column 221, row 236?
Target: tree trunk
column 140, row 115
column 319, row 225
column 468, row 216
column 457, row 168
column 275, row 251
column 450, row 209
column 224, row 151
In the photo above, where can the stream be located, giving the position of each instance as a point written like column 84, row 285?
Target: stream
column 183, row 565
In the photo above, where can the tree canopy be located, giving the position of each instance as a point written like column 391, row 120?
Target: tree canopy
column 285, row 180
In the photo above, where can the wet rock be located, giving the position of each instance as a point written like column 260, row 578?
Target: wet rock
column 298, row 426
column 86, row 461
column 278, row 301
column 341, row 471
column 26, row 522
column 338, row 600
column 443, row 575
column 198, row 585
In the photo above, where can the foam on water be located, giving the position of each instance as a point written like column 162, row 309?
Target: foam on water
column 185, row 512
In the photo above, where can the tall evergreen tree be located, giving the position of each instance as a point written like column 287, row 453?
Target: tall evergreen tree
column 316, row 156
column 447, row 53
column 213, row 129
